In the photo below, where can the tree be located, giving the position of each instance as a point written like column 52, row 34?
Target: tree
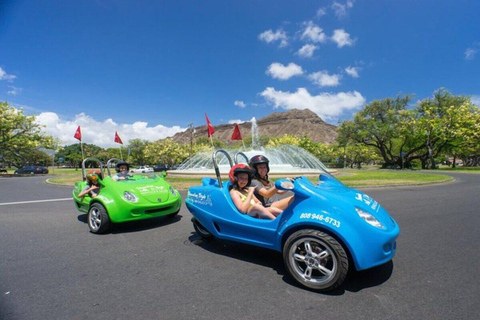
column 442, row 123
column 166, row 152
column 380, row 125
column 137, row 151
column 19, row 135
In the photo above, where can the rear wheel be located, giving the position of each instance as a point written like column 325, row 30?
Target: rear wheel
column 201, row 231
column 315, row 260
column 98, row 220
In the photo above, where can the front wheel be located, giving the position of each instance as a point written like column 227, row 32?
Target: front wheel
column 201, row 231
column 315, row 260
column 98, row 220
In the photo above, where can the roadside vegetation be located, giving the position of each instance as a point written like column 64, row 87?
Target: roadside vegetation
column 351, row 178
column 442, row 132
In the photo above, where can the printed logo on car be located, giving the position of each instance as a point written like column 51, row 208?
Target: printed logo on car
column 151, row 189
column 368, row 201
column 199, row 198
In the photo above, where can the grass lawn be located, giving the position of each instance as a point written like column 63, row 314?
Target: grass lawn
column 352, row 178
column 474, row 170
column 361, row 178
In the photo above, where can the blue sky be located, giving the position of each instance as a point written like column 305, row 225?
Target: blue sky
column 149, row 68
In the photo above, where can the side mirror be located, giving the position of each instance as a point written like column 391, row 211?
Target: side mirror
column 284, row 184
column 163, row 174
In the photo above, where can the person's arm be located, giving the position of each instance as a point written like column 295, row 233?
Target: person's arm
column 267, row 193
column 94, row 188
column 241, row 206
column 85, row 191
column 256, row 199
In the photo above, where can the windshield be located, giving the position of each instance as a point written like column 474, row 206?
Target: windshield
column 132, row 177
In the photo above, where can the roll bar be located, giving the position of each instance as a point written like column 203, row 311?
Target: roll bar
column 116, row 160
column 240, row 153
column 215, row 165
column 91, row 159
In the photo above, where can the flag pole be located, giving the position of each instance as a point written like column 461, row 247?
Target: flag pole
column 81, row 148
column 121, row 155
column 211, row 140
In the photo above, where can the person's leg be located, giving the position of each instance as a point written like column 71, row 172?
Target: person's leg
column 283, row 203
column 275, row 211
column 260, row 211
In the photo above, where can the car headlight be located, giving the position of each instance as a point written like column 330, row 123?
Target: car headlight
column 173, row 191
column 128, row 196
column 370, row 219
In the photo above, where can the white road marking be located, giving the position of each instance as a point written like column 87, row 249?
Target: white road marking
column 34, row 201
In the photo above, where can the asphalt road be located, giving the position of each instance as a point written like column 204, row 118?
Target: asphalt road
column 52, row 267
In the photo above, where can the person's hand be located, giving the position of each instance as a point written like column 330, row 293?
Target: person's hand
column 251, row 189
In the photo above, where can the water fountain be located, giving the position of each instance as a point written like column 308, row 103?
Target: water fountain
column 284, row 160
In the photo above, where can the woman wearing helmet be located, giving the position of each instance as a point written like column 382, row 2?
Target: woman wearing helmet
column 264, row 189
column 122, row 171
column 93, row 186
column 242, row 194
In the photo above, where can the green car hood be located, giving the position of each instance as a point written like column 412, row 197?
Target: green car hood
column 149, row 190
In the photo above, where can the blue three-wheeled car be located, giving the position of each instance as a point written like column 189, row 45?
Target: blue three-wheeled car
column 327, row 228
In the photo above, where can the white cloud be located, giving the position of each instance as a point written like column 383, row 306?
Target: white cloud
column 240, row 104
column 313, row 33
column 476, row 100
column 321, row 12
column 279, row 71
column 307, row 50
column 342, row 38
column 352, row 71
column 237, row 121
column 5, row 76
column 14, row 90
column 470, row 53
column 323, row 79
column 270, row 36
column 101, row 133
column 341, row 9
column 326, row 105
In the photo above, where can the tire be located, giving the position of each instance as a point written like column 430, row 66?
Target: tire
column 201, row 231
column 315, row 260
column 98, row 220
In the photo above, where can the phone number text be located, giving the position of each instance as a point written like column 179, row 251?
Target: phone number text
column 321, row 217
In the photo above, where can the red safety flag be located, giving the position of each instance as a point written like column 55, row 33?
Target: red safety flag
column 78, row 134
column 117, row 138
column 210, row 129
column 236, row 135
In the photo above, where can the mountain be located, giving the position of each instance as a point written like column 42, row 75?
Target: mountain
column 294, row 122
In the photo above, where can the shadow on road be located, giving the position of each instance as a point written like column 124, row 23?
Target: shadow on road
column 355, row 281
column 136, row 226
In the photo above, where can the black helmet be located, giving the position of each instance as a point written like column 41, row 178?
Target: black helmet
column 259, row 159
column 122, row 163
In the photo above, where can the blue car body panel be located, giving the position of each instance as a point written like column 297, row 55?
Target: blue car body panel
column 328, row 206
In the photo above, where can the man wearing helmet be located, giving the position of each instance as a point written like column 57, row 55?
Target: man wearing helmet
column 122, row 168
column 242, row 194
column 265, row 190
column 93, row 186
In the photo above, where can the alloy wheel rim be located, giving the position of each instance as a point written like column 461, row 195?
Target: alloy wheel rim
column 95, row 220
column 313, row 261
